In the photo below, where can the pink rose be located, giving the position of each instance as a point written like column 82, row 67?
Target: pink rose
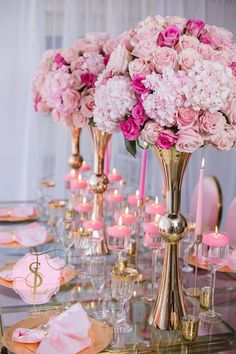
column 106, row 59
column 71, row 100
column 194, row 27
column 59, row 60
column 87, row 106
column 84, row 45
column 188, row 140
column 138, row 85
column 186, row 117
column 226, row 139
column 166, row 139
column 212, row 123
column 233, row 67
column 70, row 55
column 186, row 42
column 67, row 120
column 178, row 21
column 76, row 81
column 223, row 57
column 79, row 120
column 188, row 58
column 218, row 37
column 77, row 64
column 110, row 45
column 97, row 37
column 119, row 60
column 40, row 105
column 144, row 49
column 206, row 51
column 139, row 67
column 130, row 129
column 169, row 36
column 138, row 114
column 230, row 110
column 88, row 78
column 150, row 132
column 163, row 57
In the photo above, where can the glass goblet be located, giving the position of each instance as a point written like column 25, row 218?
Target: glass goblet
column 123, row 282
column 82, row 244
column 98, row 279
column 44, row 195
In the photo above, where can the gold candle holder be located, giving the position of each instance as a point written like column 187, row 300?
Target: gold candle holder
column 189, row 327
column 205, row 295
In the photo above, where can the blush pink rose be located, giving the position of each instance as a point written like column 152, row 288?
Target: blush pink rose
column 139, row 67
column 110, row 45
column 67, row 120
column 169, row 36
column 77, row 64
column 178, row 21
column 138, row 85
column 144, row 49
column 97, row 37
column 71, row 100
column 139, row 115
column 223, row 57
column 130, row 129
column 150, row 132
column 188, row 58
column 88, row 78
column 186, row 117
column 206, row 51
column 87, row 106
column 79, row 120
column 163, row 57
column 166, row 139
column 212, row 123
column 194, row 27
column 233, row 67
column 226, row 139
column 218, row 37
column 230, row 110
column 119, row 60
column 70, row 55
column 188, row 140
column 186, row 42
column 40, row 105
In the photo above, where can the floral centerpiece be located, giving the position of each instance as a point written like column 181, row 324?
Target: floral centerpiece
column 172, row 82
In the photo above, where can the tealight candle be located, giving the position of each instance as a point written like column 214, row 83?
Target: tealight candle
column 114, row 176
column 152, row 237
column 94, row 225
column 69, row 176
column 84, row 207
column 155, row 208
column 84, row 167
column 78, row 184
column 215, row 239
column 133, row 199
column 119, row 230
column 115, row 197
column 126, row 217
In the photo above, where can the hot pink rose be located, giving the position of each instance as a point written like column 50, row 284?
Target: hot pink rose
column 71, row 100
column 138, row 85
column 79, row 120
column 138, row 114
column 88, row 78
column 218, row 37
column 166, row 139
column 212, row 123
column 194, row 27
column 186, row 117
column 144, row 49
column 206, row 51
column 188, row 140
column 169, row 36
column 139, row 67
column 226, row 139
column 186, row 42
column 59, row 60
column 233, row 67
column 163, row 57
column 230, row 110
column 177, row 21
column 119, row 60
column 150, row 132
column 87, row 106
column 130, row 129
column 188, row 58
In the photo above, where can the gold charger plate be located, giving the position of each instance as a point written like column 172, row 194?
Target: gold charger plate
column 15, row 244
column 202, row 265
column 16, row 219
column 69, row 274
column 100, row 334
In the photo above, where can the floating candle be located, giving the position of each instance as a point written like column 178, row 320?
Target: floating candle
column 119, row 230
column 81, row 183
column 151, row 227
column 215, row 239
column 70, row 176
column 127, row 218
column 133, row 199
column 155, row 208
column 84, row 207
column 115, row 197
column 94, row 225
column 84, row 167
column 114, row 176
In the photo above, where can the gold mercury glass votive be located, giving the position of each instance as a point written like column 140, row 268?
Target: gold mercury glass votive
column 205, row 294
column 189, row 327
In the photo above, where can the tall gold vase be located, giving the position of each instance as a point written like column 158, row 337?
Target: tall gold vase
column 99, row 181
column 169, row 307
column 75, row 160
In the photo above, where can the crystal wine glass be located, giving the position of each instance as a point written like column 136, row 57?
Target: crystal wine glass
column 98, row 279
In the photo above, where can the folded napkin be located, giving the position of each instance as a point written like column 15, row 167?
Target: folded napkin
column 26, row 335
column 21, row 211
column 7, row 274
column 31, row 235
column 66, row 333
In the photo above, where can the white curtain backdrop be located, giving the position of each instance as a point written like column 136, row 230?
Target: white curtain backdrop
column 33, row 147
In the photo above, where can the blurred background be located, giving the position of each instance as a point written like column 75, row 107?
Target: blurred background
column 32, row 146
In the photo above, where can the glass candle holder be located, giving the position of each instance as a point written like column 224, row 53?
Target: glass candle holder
column 205, row 293
column 55, row 219
column 154, row 208
column 44, row 195
column 82, row 244
column 118, row 237
column 189, row 327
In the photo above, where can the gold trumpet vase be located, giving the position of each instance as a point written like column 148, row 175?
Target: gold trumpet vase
column 169, row 307
column 99, row 181
column 75, row 159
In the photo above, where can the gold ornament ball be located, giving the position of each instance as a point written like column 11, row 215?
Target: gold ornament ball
column 172, row 227
column 98, row 184
column 75, row 162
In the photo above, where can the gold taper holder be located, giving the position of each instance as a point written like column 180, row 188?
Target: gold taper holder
column 195, row 291
column 75, row 159
column 99, row 181
column 169, row 307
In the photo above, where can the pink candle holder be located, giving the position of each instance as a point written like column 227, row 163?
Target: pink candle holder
column 154, row 208
column 127, row 218
column 118, row 237
column 114, row 176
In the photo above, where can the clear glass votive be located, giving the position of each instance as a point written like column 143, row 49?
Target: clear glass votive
column 205, row 294
column 189, row 327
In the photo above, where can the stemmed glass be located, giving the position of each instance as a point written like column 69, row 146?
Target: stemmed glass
column 98, row 279
column 117, row 312
column 44, row 195
column 123, row 281
column 82, row 244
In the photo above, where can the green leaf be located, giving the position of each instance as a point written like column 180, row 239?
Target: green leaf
column 91, row 122
column 131, row 147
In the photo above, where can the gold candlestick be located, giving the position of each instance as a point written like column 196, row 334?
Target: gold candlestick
column 75, row 159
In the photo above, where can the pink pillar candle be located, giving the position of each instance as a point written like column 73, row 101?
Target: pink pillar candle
column 126, row 218
column 143, row 175
column 198, row 229
column 119, row 231
column 84, row 207
column 94, row 225
column 155, row 208
column 214, row 239
column 114, row 176
column 115, row 197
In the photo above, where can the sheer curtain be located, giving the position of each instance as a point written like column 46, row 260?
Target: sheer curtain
column 34, row 147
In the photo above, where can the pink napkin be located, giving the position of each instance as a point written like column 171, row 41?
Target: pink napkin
column 31, row 235
column 7, row 275
column 67, row 333
column 26, row 335
column 5, row 237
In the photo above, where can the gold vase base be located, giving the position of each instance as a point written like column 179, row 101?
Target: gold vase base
column 194, row 292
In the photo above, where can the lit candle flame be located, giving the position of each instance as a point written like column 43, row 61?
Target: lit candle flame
column 156, row 200
column 84, row 200
column 115, row 192
column 93, row 217
column 79, row 178
column 114, row 171
column 127, row 210
column 120, row 221
column 72, row 173
column 137, row 193
column 216, row 231
column 203, row 163
column 157, row 218
column 121, row 183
